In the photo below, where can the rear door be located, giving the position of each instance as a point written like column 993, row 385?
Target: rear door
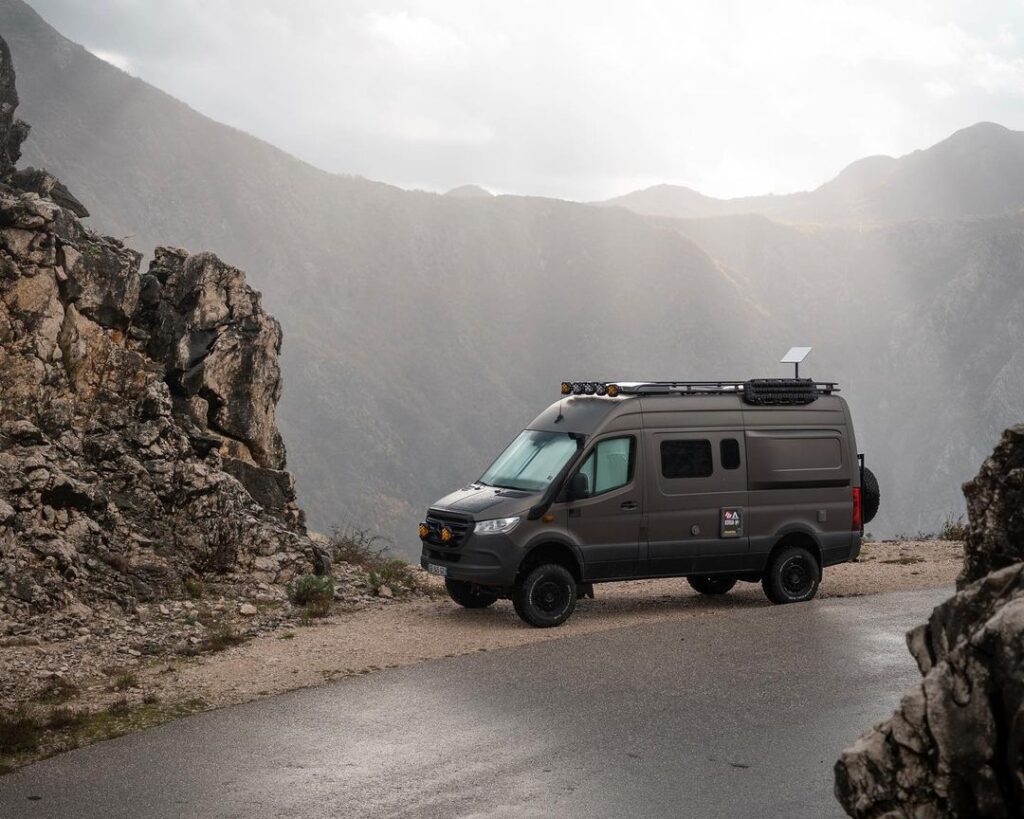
column 607, row 523
column 696, row 502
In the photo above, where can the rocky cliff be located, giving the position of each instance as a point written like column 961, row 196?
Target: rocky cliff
column 955, row 747
column 138, row 443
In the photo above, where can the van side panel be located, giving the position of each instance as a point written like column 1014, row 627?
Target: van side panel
column 801, row 469
column 684, row 513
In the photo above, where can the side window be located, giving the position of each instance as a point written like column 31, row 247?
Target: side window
column 609, row 465
column 730, row 452
column 686, row 459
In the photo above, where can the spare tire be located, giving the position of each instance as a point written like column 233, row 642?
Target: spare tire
column 870, row 495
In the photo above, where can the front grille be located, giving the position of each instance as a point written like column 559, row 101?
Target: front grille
column 459, row 526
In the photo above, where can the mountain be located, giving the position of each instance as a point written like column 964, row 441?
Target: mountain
column 978, row 171
column 470, row 192
column 421, row 331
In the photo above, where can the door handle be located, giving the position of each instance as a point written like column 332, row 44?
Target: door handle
column 630, row 506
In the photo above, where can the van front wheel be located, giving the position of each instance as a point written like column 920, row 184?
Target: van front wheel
column 469, row 595
column 792, row 577
column 546, row 596
column 711, row 584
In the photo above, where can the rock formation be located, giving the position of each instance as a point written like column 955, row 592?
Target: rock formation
column 138, row 444
column 955, row 747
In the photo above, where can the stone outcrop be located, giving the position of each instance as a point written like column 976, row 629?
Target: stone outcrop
column 955, row 746
column 138, row 443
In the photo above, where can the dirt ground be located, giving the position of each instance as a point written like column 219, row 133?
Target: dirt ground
column 405, row 632
column 422, row 630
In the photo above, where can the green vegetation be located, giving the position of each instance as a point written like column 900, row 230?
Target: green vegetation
column 64, row 717
column 315, row 595
column 394, row 573
column 19, row 731
column 222, row 638
column 58, row 690
column 194, row 588
column 124, row 681
column 358, row 547
column 953, row 528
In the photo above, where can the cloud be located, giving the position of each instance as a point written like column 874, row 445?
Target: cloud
column 579, row 98
column 416, row 38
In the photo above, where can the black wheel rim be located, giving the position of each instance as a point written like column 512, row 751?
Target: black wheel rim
column 797, row 576
column 550, row 596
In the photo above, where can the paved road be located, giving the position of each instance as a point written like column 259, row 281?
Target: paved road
column 737, row 714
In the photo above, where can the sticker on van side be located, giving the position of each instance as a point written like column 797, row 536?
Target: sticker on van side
column 732, row 521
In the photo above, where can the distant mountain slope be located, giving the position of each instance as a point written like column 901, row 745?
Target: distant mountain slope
column 421, row 332
column 978, row 171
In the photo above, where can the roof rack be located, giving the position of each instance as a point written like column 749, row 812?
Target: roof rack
column 757, row 391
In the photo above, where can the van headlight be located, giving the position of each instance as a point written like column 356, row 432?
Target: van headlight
column 498, row 526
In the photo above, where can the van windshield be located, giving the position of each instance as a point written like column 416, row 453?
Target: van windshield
column 531, row 461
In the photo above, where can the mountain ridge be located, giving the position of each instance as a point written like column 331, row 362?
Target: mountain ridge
column 875, row 188
column 423, row 331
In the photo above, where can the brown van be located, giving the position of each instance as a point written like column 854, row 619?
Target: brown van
column 717, row 482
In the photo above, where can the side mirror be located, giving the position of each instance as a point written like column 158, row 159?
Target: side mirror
column 579, row 487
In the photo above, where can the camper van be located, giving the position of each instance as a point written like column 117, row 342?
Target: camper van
column 718, row 482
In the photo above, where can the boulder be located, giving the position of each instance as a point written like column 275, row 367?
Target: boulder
column 955, row 746
column 138, row 441
column 12, row 130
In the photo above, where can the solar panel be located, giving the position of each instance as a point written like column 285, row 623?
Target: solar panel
column 795, row 355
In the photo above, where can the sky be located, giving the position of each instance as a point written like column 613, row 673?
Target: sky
column 577, row 99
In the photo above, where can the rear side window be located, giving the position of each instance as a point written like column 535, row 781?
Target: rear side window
column 686, row 459
column 730, row 452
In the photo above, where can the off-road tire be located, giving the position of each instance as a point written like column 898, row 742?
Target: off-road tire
column 711, row 584
column 546, row 596
column 793, row 576
column 870, row 494
column 469, row 595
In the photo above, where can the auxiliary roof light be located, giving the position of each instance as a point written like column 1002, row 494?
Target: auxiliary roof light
column 590, row 388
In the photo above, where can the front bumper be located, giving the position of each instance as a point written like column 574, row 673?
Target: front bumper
column 487, row 560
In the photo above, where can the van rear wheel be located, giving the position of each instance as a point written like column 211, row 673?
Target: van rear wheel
column 711, row 584
column 469, row 595
column 546, row 596
column 792, row 577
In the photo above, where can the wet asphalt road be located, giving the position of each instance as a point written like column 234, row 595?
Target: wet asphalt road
column 736, row 714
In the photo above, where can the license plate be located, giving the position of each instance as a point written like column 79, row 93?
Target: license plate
column 433, row 568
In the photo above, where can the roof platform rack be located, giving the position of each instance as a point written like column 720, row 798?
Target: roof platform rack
column 755, row 391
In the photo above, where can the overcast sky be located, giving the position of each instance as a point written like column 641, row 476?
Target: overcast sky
column 577, row 99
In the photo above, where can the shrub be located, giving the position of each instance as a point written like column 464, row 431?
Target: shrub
column 58, row 690
column 953, row 528
column 312, row 589
column 65, row 717
column 357, row 547
column 193, row 588
column 370, row 553
column 316, row 608
column 222, row 638
column 18, row 732
column 125, row 681
column 119, row 706
column 394, row 573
